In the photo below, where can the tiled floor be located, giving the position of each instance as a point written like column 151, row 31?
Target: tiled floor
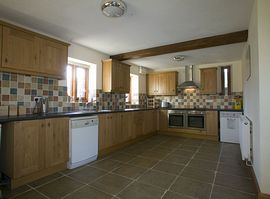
column 159, row 167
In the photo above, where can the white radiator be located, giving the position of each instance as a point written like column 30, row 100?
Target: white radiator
column 245, row 138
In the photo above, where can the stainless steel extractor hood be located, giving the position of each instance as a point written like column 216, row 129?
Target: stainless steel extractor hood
column 189, row 83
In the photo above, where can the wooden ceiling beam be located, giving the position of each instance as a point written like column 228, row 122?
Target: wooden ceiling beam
column 218, row 40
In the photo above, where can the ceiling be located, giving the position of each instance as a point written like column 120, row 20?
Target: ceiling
column 146, row 24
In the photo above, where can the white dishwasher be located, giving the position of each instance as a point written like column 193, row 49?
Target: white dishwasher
column 229, row 126
column 83, row 141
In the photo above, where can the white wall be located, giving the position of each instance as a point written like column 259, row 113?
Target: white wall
column 236, row 67
column 88, row 55
column 256, row 91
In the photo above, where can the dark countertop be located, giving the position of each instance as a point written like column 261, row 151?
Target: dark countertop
column 203, row 109
column 83, row 113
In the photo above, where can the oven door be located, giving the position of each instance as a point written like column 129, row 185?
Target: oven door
column 196, row 121
column 176, row 120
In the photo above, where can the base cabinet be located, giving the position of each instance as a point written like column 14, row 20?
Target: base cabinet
column 32, row 148
column 118, row 128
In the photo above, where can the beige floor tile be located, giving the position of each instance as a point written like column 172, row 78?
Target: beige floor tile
column 177, row 159
column 203, row 164
column 45, row 180
column 172, row 195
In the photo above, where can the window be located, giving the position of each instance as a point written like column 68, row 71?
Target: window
column 226, row 80
column 133, row 96
column 77, row 82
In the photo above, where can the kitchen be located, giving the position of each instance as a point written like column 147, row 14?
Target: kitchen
column 142, row 130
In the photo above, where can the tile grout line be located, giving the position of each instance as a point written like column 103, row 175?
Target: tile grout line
column 177, row 176
column 136, row 179
column 212, row 188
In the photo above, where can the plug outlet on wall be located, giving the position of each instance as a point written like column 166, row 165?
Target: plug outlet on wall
column 37, row 99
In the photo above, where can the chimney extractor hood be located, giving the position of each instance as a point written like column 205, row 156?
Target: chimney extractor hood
column 189, row 74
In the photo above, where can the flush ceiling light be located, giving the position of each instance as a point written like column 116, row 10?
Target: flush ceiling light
column 179, row 58
column 113, row 8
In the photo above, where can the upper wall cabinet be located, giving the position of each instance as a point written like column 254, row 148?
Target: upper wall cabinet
column 115, row 76
column 20, row 50
column 53, row 57
column 162, row 83
column 27, row 52
column 1, row 33
column 209, row 81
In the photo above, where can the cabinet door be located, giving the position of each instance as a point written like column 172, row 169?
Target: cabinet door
column 126, row 126
column 28, row 147
column 103, row 137
column 172, row 81
column 1, row 30
column 151, row 87
column 212, row 123
column 20, row 50
column 163, row 120
column 53, row 57
column 149, row 122
column 138, row 124
column 56, row 141
column 209, row 80
column 162, row 84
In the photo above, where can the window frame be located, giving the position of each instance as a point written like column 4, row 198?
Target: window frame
column 129, row 95
column 74, row 82
column 229, row 80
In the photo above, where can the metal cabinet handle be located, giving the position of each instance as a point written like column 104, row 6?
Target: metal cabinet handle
column 6, row 60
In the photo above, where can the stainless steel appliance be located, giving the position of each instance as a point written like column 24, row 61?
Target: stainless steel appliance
column 165, row 104
column 177, row 118
column 196, row 119
column 192, row 119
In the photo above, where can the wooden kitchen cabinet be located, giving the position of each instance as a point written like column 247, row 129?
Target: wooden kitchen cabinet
column 212, row 123
column 162, row 83
column 20, row 50
column 115, row 76
column 163, row 120
column 1, row 41
column 116, row 129
column 33, row 149
column 31, row 53
column 56, row 141
column 53, row 57
column 209, row 81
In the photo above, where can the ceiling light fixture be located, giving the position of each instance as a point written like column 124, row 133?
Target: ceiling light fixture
column 113, row 8
column 179, row 58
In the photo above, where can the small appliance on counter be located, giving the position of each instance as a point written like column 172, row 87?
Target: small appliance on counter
column 165, row 104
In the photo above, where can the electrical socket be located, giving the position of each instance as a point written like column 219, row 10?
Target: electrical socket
column 37, row 99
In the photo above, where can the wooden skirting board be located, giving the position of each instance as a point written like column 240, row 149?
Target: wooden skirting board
column 30, row 178
column 260, row 194
column 104, row 152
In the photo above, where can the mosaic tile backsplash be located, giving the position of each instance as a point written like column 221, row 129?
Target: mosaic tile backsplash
column 193, row 98
column 19, row 91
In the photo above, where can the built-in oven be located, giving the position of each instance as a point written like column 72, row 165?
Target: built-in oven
column 177, row 119
column 196, row 119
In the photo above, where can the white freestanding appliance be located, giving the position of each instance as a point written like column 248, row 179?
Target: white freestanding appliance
column 83, row 141
column 229, row 126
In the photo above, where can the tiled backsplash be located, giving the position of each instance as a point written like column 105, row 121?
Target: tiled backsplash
column 193, row 98
column 20, row 90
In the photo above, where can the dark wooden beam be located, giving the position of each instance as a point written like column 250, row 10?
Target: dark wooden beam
column 218, row 40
